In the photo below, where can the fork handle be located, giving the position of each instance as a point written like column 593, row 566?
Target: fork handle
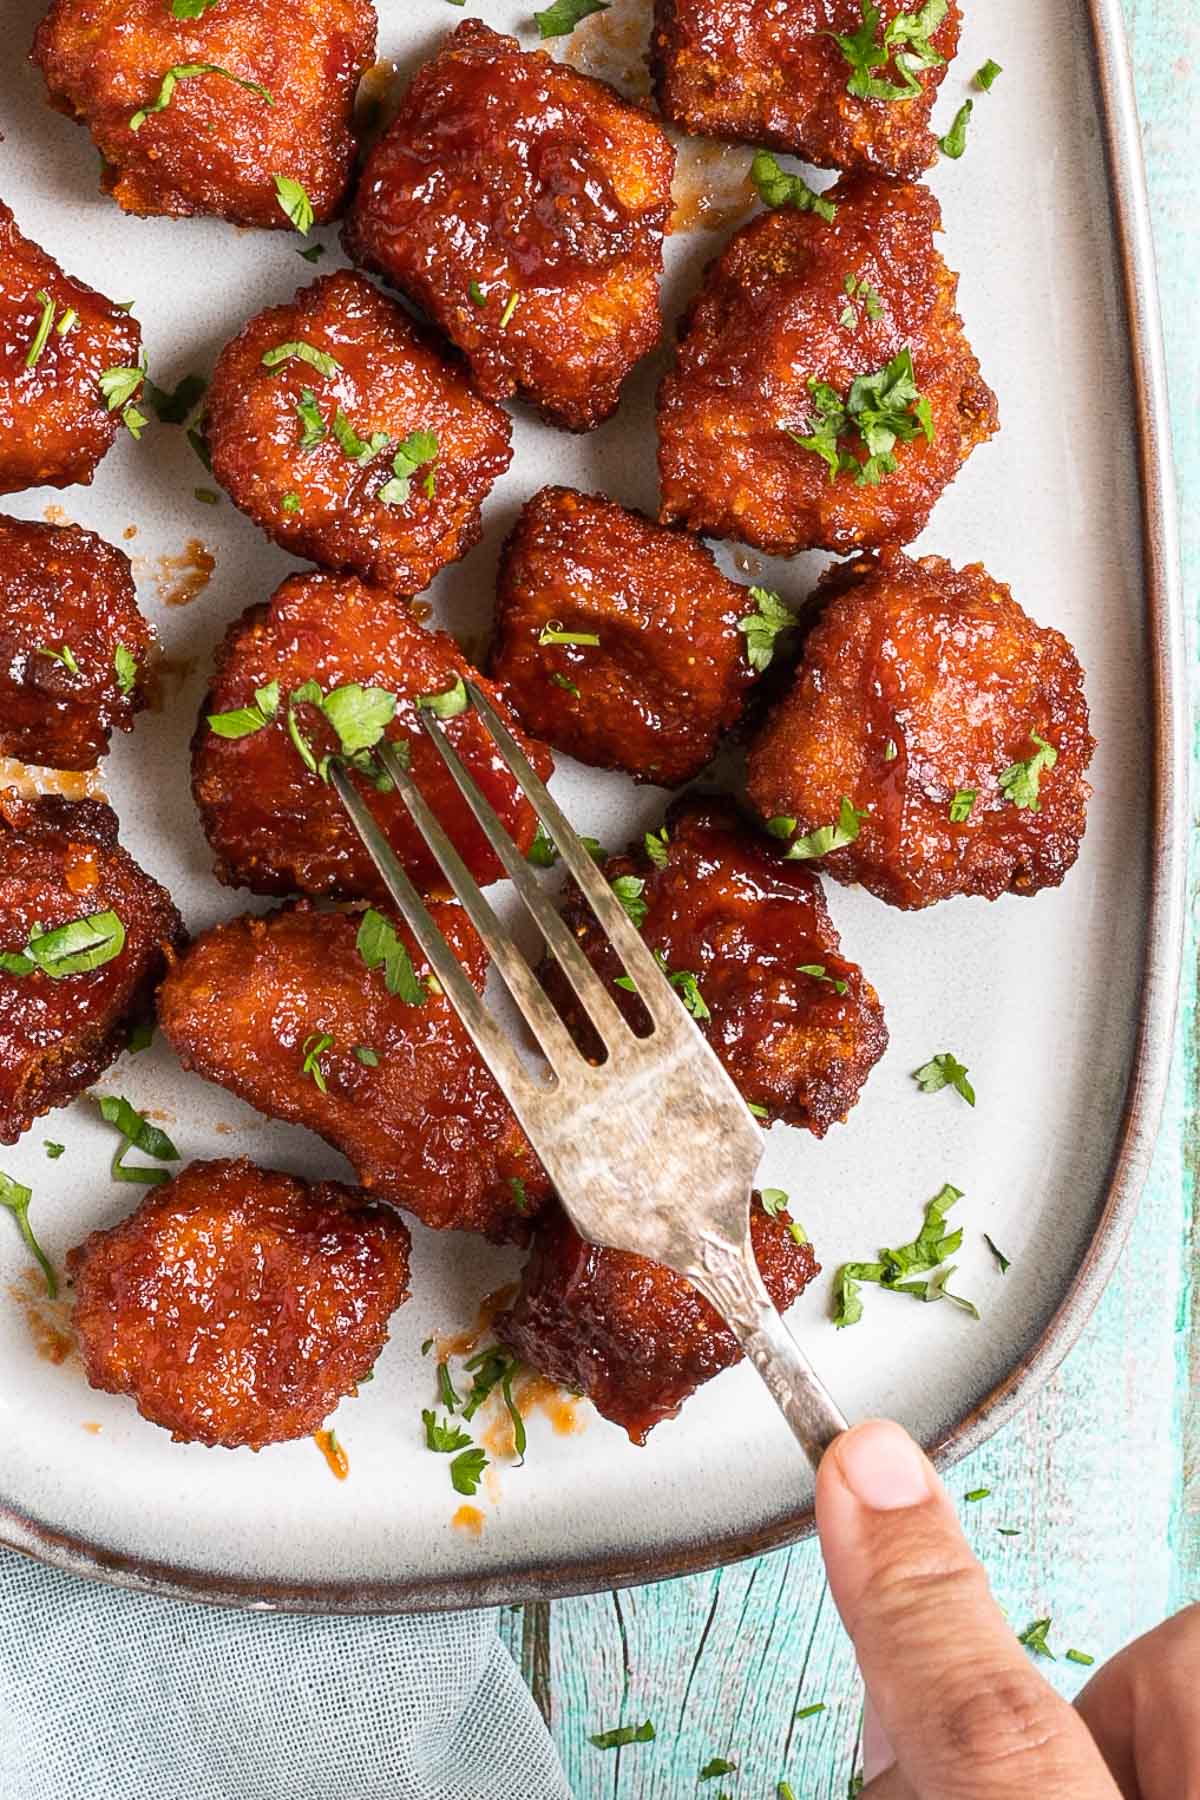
column 729, row 1279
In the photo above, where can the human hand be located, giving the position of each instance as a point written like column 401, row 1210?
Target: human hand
column 955, row 1708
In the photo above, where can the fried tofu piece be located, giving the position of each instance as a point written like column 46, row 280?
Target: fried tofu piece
column 73, row 645
column 57, row 338
column 748, row 942
column 237, row 1305
column 277, row 827
column 765, row 74
column 671, row 669
column 200, row 115
column 523, row 206
column 955, row 727
column 341, row 431
column 68, row 998
column 636, row 1338
column 844, row 334
column 284, row 1012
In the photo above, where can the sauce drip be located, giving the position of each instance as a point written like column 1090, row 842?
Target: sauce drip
column 331, row 1449
column 490, row 1308
column 179, row 580
column 468, row 1518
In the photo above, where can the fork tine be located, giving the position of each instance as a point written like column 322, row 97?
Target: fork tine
column 488, row 1037
column 608, row 1020
column 654, row 990
column 558, row 1046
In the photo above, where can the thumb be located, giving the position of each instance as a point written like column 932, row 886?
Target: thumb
column 956, row 1696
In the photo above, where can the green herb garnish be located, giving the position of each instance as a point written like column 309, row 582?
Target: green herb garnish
column 718, row 1765
column 553, row 633
column 985, row 76
column 955, row 140
column 73, row 949
column 294, row 203
column 655, row 845
column 628, row 890
column 53, row 1150
column 818, row 973
column 64, row 655
column 774, row 1203
column 466, row 1471
column 826, row 837
column 44, row 325
column 961, row 805
column 418, row 449
column 186, row 72
column 359, row 450
column 1021, row 781
column 1080, row 1656
column 137, row 1133
column 446, row 1438
column 882, row 409
column 777, row 188
column 364, row 1054
column 810, row 1712
column 761, row 627
column 623, row 1734
column 448, row 705
column 944, row 1070
column 296, row 350
column 905, row 43
column 929, row 1249
column 1002, row 1261
column 16, row 1198
column 242, row 721
column 312, row 1050
column 977, row 1494
column 379, row 947
column 1034, row 1638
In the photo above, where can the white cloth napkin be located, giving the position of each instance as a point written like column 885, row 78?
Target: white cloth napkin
column 107, row 1695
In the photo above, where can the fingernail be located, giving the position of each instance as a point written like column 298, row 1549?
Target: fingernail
column 882, row 1466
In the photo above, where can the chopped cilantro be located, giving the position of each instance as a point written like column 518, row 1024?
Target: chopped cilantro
column 817, row 971
column 777, row 188
column 985, row 76
column 553, row 633
column 905, row 43
column 944, row 1070
column 449, row 704
column 1080, row 1656
column 655, row 845
column 564, row 681
column 955, row 140
column 543, row 855
column 310, row 417
column 717, row 1765
column 379, row 947
column 313, row 254
column 137, row 1133
column 289, row 503
column 418, row 449
column 1034, row 1638
column 781, row 826
column 191, row 9
column 1021, row 781
column 761, row 627
column 1002, row 1261
column 297, row 350
column 16, row 1197
column 359, row 715
column 510, row 307
column 520, row 1197
column 242, row 721
column 359, row 450
column 929, row 1249
column 364, row 1054
column 623, row 1734
column 962, row 804
column 73, row 949
column 827, row 837
column 628, row 890
column 446, row 1387
column 774, row 1202
column 186, row 72
column 42, row 333
column 810, row 1712
column 53, row 1150
column 445, row 1438
column 313, row 1049
column 883, row 408
column 562, row 16
column 64, row 655
column 294, row 203
column 977, row 1494
column 476, row 294
column 466, row 1471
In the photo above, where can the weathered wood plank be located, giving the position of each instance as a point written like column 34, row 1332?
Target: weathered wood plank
column 1106, row 1498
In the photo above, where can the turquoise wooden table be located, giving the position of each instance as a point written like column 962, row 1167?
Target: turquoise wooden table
column 1106, row 1501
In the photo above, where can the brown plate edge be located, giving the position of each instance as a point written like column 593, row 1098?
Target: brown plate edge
column 1144, row 1097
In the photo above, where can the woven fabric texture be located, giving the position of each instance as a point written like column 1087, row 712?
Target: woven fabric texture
column 107, row 1695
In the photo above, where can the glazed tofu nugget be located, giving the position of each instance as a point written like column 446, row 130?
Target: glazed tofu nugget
column 846, row 84
column 329, row 1020
column 332, row 666
column 338, row 428
column 73, row 644
column 84, row 935
column 59, row 340
column 523, row 207
column 749, row 944
column 935, row 741
column 825, row 392
column 620, row 640
column 636, row 1338
column 237, row 1305
column 241, row 109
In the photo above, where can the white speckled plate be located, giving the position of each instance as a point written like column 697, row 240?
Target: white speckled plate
column 1061, row 1006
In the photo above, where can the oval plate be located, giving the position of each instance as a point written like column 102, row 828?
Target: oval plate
column 1062, row 1007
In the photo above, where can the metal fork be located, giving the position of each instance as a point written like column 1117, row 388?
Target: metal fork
column 654, row 1151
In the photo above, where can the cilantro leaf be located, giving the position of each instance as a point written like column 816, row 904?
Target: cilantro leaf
column 359, row 450
column 624, row 1734
column 118, row 386
column 810, row 1712
column 42, row 333
column 774, row 1203
column 628, row 890
column 985, row 76
column 827, row 837
column 190, row 9
column 562, row 16
column 297, row 350
column 944, row 1070
column 777, row 188
column 977, row 1494
column 1034, row 1638
column 137, row 1133
column 905, row 44
column 761, row 627
column 379, row 947
column 962, row 804
column 818, row 973
column 655, row 845
column 553, row 633
column 53, row 1150
column 935, row 1289
column 455, row 700
column 955, row 140
column 543, row 855
column 64, row 655
column 294, row 203
column 364, row 1054
column 1080, row 1656
column 445, row 1438
column 883, row 408
column 359, row 715
column 718, row 1765
column 73, row 949
column 312, row 1050
column 931, row 1247
column 16, row 1197
column 1021, row 782
column 466, row 1471
column 418, row 449
column 242, row 721
column 310, row 417
column 1002, row 1261
column 186, row 72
